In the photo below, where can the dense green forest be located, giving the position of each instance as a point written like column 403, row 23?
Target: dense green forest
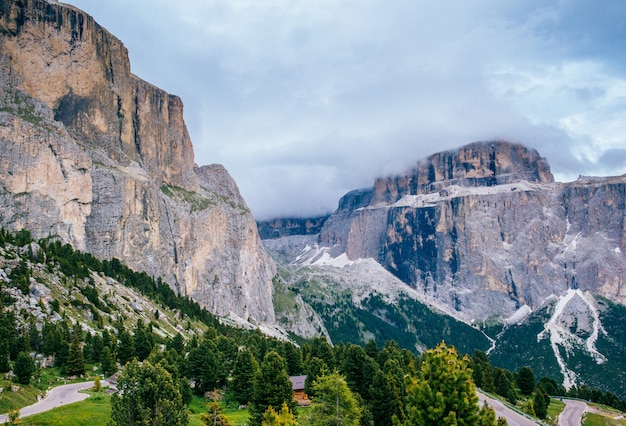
column 374, row 384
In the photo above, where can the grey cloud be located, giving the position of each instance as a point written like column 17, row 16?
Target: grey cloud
column 303, row 101
column 614, row 159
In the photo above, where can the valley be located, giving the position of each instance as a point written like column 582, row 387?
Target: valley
column 122, row 255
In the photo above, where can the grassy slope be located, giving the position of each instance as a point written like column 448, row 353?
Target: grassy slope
column 96, row 411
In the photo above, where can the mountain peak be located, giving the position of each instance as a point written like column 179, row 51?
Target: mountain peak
column 476, row 164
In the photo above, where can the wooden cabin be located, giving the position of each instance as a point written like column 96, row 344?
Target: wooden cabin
column 297, row 384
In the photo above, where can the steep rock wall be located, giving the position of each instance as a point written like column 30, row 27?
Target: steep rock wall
column 98, row 157
column 484, row 243
column 284, row 227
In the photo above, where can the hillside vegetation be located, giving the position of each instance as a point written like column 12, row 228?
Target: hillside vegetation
column 69, row 315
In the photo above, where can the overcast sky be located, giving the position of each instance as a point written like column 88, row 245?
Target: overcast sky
column 304, row 100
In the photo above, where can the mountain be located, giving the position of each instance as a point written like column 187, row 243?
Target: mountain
column 481, row 235
column 486, row 231
column 94, row 155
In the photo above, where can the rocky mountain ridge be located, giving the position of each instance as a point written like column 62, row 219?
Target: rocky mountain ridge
column 102, row 159
column 485, row 243
column 530, row 262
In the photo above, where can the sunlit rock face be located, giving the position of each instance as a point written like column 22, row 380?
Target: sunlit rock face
column 485, row 230
column 95, row 155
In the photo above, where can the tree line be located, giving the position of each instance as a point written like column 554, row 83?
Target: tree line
column 347, row 383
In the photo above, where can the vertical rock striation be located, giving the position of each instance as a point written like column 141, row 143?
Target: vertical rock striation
column 93, row 154
column 485, row 230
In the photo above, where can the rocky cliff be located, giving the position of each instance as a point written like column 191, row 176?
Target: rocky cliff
column 284, row 227
column 102, row 159
column 486, row 231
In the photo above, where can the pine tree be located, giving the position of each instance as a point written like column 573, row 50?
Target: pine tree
column 244, row 374
column 107, row 362
column 526, row 380
column 125, row 348
column 214, row 416
column 293, row 358
column 284, row 417
column 334, row 403
column 511, row 396
column 143, row 340
column 23, row 368
column 97, row 386
column 75, row 365
column 386, row 401
column 177, row 343
column 7, row 334
column 371, row 349
column 320, row 348
column 488, row 381
column 272, row 387
column 229, row 349
column 502, row 382
column 147, row 396
column 445, row 393
column 359, row 370
column 206, row 367
column 539, row 403
column 315, row 368
column 96, row 348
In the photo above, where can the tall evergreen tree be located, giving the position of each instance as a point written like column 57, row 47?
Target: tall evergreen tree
column 359, row 370
column 97, row 346
column 372, row 350
column 315, row 368
column 244, row 374
column 526, row 380
column 107, row 361
column 293, row 358
column 386, row 400
column 445, row 393
column 272, row 387
column 23, row 368
column 539, row 403
column 320, row 348
column 177, row 343
column 334, row 403
column 148, row 396
column 7, row 333
column 143, row 340
column 75, row 365
column 125, row 348
column 205, row 367
column 503, row 382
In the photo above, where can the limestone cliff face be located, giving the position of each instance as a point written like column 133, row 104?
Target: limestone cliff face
column 485, row 230
column 284, row 227
column 99, row 157
column 477, row 164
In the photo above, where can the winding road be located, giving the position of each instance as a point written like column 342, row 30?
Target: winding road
column 513, row 418
column 60, row 395
column 573, row 413
column 68, row 394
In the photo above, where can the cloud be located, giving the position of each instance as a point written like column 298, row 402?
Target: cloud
column 303, row 101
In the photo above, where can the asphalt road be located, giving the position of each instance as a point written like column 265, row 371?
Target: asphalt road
column 573, row 413
column 512, row 417
column 60, row 395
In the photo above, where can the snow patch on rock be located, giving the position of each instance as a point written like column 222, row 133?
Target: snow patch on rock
column 574, row 309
